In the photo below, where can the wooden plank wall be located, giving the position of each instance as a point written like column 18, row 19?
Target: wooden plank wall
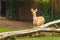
column 24, row 11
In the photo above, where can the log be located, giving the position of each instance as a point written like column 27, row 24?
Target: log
column 50, row 23
column 28, row 31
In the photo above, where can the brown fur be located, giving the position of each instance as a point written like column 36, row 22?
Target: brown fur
column 39, row 21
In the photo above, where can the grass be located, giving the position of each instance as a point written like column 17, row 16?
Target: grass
column 52, row 37
column 4, row 29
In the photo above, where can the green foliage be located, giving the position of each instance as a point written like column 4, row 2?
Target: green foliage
column 56, row 16
column 45, row 0
column 12, row 10
column 45, row 10
column 41, row 0
column 37, row 0
column 15, row 11
column 9, row 13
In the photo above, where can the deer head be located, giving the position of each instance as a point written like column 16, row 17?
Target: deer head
column 34, row 10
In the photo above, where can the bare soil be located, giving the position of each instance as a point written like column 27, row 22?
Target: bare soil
column 16, row 25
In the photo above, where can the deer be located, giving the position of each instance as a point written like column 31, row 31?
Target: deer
column 37, row 20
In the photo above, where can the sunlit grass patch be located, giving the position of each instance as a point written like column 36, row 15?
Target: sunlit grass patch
column 4, row 29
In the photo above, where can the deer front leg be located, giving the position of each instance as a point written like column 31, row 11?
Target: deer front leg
column 35, row 25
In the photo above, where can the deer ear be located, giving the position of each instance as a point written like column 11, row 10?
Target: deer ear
column 36, row 10
column 32, row 9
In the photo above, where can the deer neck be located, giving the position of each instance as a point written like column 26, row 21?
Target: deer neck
column 34, row 16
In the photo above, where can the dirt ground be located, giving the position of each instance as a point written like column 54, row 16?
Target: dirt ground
column 15, row 24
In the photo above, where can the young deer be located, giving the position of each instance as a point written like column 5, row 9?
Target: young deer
column 37, row 21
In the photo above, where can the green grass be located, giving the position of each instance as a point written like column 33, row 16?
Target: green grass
column 4, row 29
column 52, row 37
